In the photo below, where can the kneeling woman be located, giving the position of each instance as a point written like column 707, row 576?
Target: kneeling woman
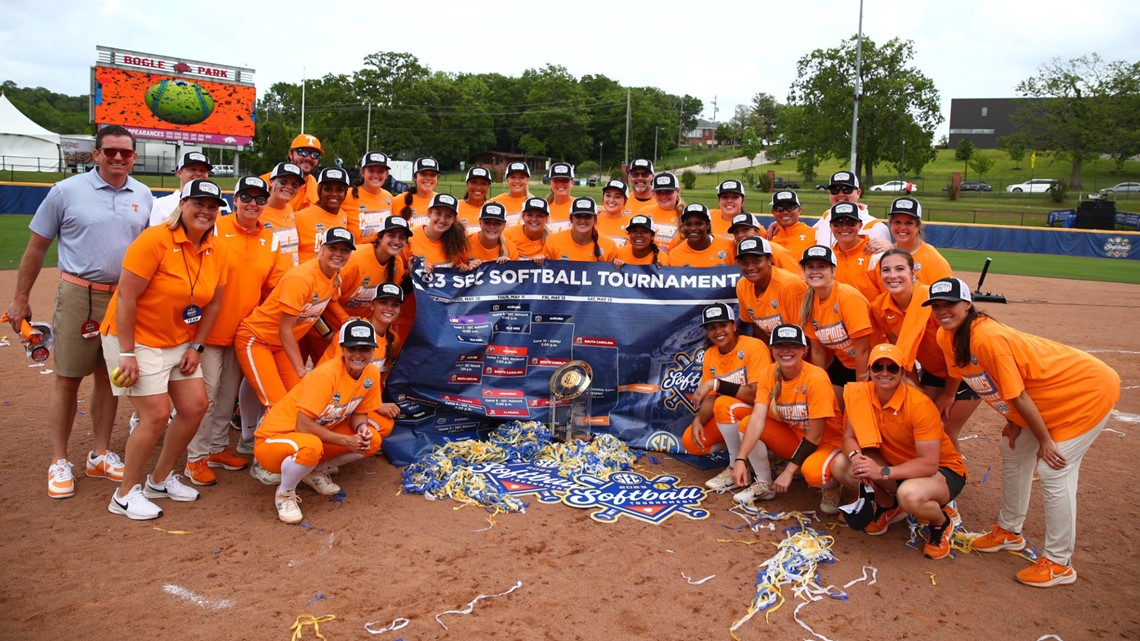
column 796, row 416
column 323, row 421
column 897, row 445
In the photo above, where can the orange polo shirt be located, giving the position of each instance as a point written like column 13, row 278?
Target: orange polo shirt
column 913, row 330
column 859, row 269
column 328, row 394
column 361, row 276
column 807, row 396
column 173, row 268
column 778, row 304
column 743, row 364
column 283, row 224
column 366, row 212
column 795, row 239
column 561, row 246
column 1072, row 390
column 720, row 252
column 625, row 253
column 527, row 248
column 253, row 269
column 303, row 291
column 834, row 322
column 907, row 418
column 311, row 225
column 478, row 251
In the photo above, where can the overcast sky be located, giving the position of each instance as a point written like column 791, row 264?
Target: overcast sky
column 726, row 50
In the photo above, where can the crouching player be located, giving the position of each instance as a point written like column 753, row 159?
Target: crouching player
column 896, row 443
column 323, row 421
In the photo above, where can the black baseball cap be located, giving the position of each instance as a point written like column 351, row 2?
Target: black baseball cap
column 357, row 333
column 517, row 168
column 952, row 290
column 425, row 164
column 745, row 220
column 478, row 172
column 641, row 220
column 844, row 178
column 820, row 252
column 396, row 222
column 374, row 159
column 493, row 211
column 561, row 170
column 202, row 189
column 389, row 290
column 584, row 206
column 788, row 333
column 445, row 200
column 251, row 183
column 618, row 185
column 194, row 156
column 755, row 246
column 844, row 210
column 906, row 205
column 287, row 169
column 537, row 204
column 785, row 198
column 333, row 175
column 730, row 187
column 338, row 235
column 641, row 163
column 665, row 181
column 717, row 313
column 696, row 209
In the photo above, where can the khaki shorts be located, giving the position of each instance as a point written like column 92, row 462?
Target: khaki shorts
column 157, row 367
column 75, row 356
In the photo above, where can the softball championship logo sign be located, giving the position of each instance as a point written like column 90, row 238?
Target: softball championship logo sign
column 1117, row 247
column 635, row 496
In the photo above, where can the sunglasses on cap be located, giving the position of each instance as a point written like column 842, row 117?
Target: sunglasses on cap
column 112, row 153
column 877, row 368
column 248, row 198
column 308, row 153
column 835, row 190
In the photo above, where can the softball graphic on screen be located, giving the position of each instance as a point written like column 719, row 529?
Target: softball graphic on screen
column 179, row 102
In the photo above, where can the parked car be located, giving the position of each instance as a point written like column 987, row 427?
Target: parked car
column 780, row 183
column 222, row 170
column 1125, row 187
column 972, row 185
column 895, row 185
column 1035, row 186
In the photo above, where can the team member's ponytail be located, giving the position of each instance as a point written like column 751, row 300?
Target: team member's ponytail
column 598, row 253
column 962, row 336
column 406, row 211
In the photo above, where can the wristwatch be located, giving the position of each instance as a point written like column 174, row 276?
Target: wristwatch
column 198, row 347
column 886, row 472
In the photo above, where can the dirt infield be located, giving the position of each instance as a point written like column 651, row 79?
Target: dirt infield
column 73, row 570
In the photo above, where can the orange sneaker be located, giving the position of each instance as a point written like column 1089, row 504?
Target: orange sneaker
column 61, row 483
column 107, row 465
column 938, row 544
column 227, row 459
column 883, row 520
column 998, row 539
column 1046, row 574
column 199, row 472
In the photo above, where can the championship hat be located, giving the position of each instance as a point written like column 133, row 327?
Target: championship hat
column 585, row 206
column 888, row 352
column 641, row 220
column 194, row 156
column 389, row 290
column 641, row 163
column 425, row 164
column 618, row 185
column 493, row 211
column 665, row 181
column 844, row 178
column 820, row 252
column 743, row 220
column 202, row 189
column 287, row 169
column 517, row 168
column 537, row 204
column 951, row 290
column 446, row 201
column 478, row 172
column 906, row 205
column 860, row 512
column 333, row 175
column 338, row 235
column 396, row 222
column 357, row 333
column 717, row 313
column 374, row 159
column 788, row 334
column 251, row 183
column 844, row 210
column 306, row 141
column 754, row 246
column 695, row 209
column 785, row 199
column 730, row 187
column 561, row 170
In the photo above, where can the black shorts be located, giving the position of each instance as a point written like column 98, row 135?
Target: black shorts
column 954, row 481
column 964, row 393
column 839, row 373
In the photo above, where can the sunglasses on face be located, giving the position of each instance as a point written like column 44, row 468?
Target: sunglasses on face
column 246, row 198
column 835, row 190
column 844, row 222
column 308, row 153
column 877, row 368
column 111, row 153
column 784, row 209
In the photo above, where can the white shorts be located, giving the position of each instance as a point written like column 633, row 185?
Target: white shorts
column 157, row 367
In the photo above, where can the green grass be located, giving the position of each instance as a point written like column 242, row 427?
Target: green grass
column 1047, row 265
column 14, row 234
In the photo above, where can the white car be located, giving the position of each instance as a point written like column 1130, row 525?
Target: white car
column 896, row 185
column 1035, row 186
column 1123, row 187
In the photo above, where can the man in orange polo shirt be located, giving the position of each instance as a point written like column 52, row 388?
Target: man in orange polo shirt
column 305, row 152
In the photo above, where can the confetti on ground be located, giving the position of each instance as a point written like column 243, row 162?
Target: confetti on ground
column 197, row 599
column 317, row 597
column 49, row 371
column 307, row 619
column 177, row 532
column 932, row 581
column 471, row 606
column 986, row 476
column 1109, row 429
column 397, row 624
column 698, row 582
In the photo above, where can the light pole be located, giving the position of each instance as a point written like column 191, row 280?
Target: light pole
column 656, row 130
column 902, row 163
column 858, row 86
column 601, row 145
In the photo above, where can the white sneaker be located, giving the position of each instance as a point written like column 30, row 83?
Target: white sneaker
column 244, row 446
column 721, row 481
column 758, row 491
column 172, row 488
column 61, row 482
column 264, row 476
column 321, row 482
column 134, row 505
column 107, row 465
column 831, row 500
column 288, row 507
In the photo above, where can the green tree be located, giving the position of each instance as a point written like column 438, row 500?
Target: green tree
column 981, row 163
column 897, row 102
column 1014, row 147
column 55, row 112
column 725, row 134
column 965, row 152
column 750, row 145
column 764, row 117
column 557, row 113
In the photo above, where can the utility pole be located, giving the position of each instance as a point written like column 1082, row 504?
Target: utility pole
column 858, row 87
column 368, row 130
column 656, row 130
column 714, row 110
column 627, row 122
column 302, row 100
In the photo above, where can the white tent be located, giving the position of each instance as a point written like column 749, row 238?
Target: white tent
column 24, row 145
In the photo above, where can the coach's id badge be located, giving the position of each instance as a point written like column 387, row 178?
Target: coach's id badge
column 192, row 314
column 89, row 329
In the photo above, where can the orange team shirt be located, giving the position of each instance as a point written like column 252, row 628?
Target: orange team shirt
column 743, row 364
column 807, row 396
column 858, row 269
column 907, row 418
column 625, row 253
column 785, row 259
column 311, row 225
column 432, row 251
column 478, row 251
column 366, row 212
column 303, row 292
column 720, row 225
column 913, row 330
column 359, row 280
column 843, row 316
column 380, row 359
column 169, row 262
column 668, row 233
column 513, row 205
column 795, row 239
column 560, row 214
column 420, row 205
column 284, row 227
column 327, row 394
column 778, row 304
column 929, row 264
column 613, row 227
column 720, row 252
column 561, row 246
column 253, row 267
column 468, row 214
column 527, row 248
column 1072, row 390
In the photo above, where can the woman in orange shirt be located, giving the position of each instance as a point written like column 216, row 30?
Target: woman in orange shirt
column 855, row 266
column 285, row 181
column 380, row 261
column 561, row 176
column 667, row 206
column 581, row 242
column 901, row 314
column 368, row 203
column 724, row 398
column 332, row 187
column 641, row 248
column 837, row 319
column 488, row 244
column 518, row 188
column 906, row 226
column 530, row 235
column 442, row 241
column 797, row 416
column 614, row 214
column 699, row 247
column 767, row 296
column 787, row 231
column 730, row 204
column 478, row 184
column 1056, row 400
column 322, row 422
column 896, row 445
column 169, row 293
column 413, row 205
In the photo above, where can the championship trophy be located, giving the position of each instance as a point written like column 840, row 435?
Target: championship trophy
column 570, row 400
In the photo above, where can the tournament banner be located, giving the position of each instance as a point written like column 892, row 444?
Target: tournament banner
column 486, row 342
